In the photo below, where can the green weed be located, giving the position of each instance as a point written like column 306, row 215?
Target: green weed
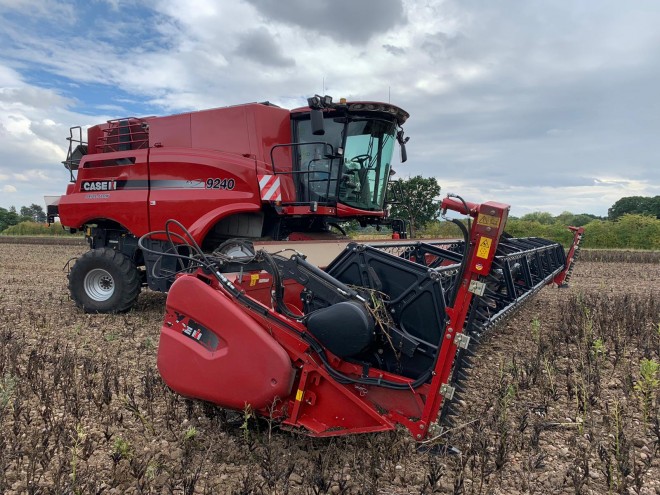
column 647, row 386
column 7, row 387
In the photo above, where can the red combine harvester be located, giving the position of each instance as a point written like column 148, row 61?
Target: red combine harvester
column 248, row 171
column 382, row 336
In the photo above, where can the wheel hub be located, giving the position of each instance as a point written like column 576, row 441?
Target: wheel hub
column 99, row 285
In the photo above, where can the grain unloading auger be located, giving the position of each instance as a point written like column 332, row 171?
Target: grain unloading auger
column 382, row 336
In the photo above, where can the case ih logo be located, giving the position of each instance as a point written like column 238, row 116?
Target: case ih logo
column 99, row 185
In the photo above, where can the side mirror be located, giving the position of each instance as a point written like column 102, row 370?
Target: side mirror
column 404, row 154
column 316, row 115
column 402, row 143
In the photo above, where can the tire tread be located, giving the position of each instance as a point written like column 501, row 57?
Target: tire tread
column 130, row 279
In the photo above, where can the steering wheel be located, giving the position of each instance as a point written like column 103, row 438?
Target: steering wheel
column 361, row 159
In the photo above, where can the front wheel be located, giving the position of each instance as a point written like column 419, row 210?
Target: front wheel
column 104, row 281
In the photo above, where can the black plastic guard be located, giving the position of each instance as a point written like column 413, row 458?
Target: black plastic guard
column 414, row 296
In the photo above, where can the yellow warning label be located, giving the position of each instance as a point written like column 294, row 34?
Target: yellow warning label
column 299, row 394
column 254, row 278
column 484, row 247
column 488, row 220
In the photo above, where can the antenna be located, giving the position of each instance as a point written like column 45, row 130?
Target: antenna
column 323, row 88
column 389, row 94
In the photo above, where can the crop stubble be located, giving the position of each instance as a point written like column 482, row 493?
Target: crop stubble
column 552, row 404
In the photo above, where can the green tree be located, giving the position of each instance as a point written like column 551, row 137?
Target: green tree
column 628, row 232
column 8, row 217
column 34, row 213
column 418, row 206
column 638, row 231
column 3, row 218
column 13, row 216
column 579, row 220
column 635, row 205
column 542, row 217
column 526, row 228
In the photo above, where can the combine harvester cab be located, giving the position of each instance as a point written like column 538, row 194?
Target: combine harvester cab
column 383, row 336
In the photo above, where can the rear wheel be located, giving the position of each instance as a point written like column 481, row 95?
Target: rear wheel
column 104, row 281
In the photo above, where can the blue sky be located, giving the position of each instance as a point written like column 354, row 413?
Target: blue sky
column 547, row 106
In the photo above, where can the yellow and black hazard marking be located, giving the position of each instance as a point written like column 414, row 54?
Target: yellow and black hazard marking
column 488, row 220
column 484, row 247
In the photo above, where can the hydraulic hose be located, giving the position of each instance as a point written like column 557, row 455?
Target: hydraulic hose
column 203, row 261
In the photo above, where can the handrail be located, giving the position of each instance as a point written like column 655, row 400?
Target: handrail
column 74, row 155
column 129, row 133
column 328, row 173
column 291, row 145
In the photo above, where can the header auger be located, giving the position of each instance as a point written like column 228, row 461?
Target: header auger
column 382, row 336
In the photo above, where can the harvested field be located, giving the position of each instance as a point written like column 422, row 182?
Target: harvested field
column 620, row 256
column 563, row 398
column 41, row 240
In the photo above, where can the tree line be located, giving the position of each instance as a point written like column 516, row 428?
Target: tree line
column 32, row 213
column 635, row 205
column 632, row 222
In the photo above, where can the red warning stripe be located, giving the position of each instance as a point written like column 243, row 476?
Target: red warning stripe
column 269, row 185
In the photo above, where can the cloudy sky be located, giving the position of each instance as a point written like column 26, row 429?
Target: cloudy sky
column 546, row 105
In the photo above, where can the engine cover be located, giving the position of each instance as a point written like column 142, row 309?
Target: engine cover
column 211, row 350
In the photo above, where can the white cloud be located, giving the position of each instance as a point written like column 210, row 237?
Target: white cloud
column 31, row 175
column 49, row 9
column 34, row 124
column 8, row 77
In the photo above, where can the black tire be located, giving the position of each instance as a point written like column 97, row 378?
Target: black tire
column 104, row 281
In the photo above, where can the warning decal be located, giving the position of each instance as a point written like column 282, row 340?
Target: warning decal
column 488, row 220
column 484, row 247
column 269, row 185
